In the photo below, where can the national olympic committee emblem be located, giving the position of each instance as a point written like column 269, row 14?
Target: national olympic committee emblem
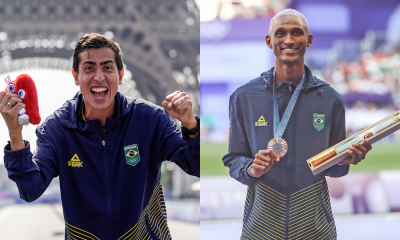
column 132, row 154
column 319, row 120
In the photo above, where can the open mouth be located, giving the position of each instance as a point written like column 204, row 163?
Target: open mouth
column 99, row 92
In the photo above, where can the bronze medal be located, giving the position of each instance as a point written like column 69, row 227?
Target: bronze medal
column 278, row 145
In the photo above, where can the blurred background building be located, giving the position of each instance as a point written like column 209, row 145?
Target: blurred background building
column 160, row 43
column 356, row 49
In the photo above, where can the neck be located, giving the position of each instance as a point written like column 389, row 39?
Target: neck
column 288, row 72
column 101, row 115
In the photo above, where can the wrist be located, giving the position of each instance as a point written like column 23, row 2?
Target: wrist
column 194, row 130
column 250, row 170
column 16, row 141
column 191, row 124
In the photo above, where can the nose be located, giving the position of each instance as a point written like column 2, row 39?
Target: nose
column 99, row 75
column 289, row 39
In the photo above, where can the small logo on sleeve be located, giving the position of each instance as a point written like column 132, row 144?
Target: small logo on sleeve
column 132, row 154
column 75, row 161
column 261, row 122
column 319, row 120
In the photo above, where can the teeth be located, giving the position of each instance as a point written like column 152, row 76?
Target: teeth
column 289, row 49
column 99, row 89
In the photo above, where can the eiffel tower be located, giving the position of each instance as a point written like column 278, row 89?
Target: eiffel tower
column 159, row 39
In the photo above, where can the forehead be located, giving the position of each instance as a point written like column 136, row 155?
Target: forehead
column 96, row 55
column 288, row 21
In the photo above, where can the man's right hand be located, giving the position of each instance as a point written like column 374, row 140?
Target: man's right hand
column 10, row 116
column 263, row 162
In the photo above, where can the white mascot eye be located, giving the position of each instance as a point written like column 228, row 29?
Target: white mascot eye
column 10, row 87
column 21, row 93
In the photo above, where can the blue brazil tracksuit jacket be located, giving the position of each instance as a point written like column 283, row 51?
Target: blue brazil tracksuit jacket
column 107, row 191
column 288, row 202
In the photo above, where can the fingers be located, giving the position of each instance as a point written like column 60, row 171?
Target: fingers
column 264, row 158
column 177, row 99
column 6, row 97
column 259, row 165
column 271, row 153
column 355, row 159
column 15, row 100
column 175, row 96
column 16, row 108
column 358, row 150
column 171, row 96
column 367, row 144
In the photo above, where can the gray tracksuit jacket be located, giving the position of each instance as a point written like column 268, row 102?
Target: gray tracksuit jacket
column 288, row 202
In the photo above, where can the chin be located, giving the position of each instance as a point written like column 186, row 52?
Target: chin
column 291, row 60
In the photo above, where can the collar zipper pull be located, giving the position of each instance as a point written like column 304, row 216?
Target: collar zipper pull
column 290, row 87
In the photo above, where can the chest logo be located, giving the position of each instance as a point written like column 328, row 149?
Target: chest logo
column 319, row 120
column 75, row 161
column 132, row 154
column 261, row 122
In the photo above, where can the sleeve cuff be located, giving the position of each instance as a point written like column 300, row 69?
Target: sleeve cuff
column 188, row 139
column 248, row 168
column 8, row 154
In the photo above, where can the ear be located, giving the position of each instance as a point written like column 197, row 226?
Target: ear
column 268, row 41
column 75, row 74
column 309, row 39
column 121, row 75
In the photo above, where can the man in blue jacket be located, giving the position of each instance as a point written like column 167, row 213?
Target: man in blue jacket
column 106, row 148
column 284, row 199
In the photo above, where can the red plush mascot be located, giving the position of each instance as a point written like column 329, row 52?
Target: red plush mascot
column 25, row 87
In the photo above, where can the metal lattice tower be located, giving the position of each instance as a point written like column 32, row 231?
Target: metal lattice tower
column 159, row 39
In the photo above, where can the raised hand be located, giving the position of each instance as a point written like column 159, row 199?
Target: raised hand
column 179, row 106
column 10, row 104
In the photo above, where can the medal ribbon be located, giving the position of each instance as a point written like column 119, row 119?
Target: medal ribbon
column 280, row 126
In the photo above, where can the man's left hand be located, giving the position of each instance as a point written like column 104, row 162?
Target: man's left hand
column 179, row 106
column 357, row 152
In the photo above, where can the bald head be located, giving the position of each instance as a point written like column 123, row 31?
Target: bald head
column 289, row 11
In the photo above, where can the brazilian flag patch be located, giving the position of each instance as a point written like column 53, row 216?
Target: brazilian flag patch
column 319, row 120
column 132, row 154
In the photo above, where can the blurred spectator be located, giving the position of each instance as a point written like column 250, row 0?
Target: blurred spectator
column 370, row 87
column 242, row 9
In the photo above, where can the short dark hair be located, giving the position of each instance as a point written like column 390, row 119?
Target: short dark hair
column 95, row 40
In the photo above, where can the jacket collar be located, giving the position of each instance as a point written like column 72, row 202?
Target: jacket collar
column 69, row 115
column 309, row 82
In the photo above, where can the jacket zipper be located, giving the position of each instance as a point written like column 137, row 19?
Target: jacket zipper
column 287, row 217
column 290, row 92
column 107, row 187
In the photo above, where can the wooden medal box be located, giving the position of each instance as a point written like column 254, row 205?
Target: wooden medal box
column 340, row 156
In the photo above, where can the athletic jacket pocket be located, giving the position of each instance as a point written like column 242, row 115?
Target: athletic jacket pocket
column 149, row 230
column 324, row 209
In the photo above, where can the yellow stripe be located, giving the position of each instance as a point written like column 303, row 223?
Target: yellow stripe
column 302, row 192
column 75, row 235
column 272, row 190
column 282, row 207
column 156, row 212
column 297, row 230
column 306, row 189
column 305, row 201
column 82, row 231
column 282, row 227
column 263, row 229
column 280, row 218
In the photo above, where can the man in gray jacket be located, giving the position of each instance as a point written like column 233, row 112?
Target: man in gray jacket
column 284, row 199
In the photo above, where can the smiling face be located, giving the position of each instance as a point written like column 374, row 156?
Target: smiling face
column 289, row 39
column 98, row 79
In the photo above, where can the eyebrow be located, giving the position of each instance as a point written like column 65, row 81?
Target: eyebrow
column 102, row 63
column 282, row 28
